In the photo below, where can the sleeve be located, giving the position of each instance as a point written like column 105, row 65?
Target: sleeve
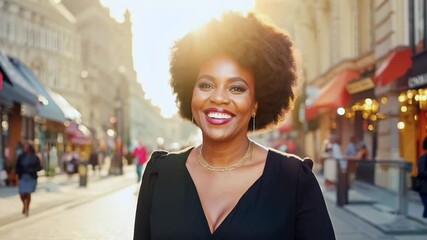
column 142, row 217
column 422, row 166
column 312, row 218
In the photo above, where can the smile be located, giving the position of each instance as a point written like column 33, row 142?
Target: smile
column 218, row 116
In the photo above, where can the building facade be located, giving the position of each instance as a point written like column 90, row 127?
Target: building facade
column 366, row 58
column 42, row 34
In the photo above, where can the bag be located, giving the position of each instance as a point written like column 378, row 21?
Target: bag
column 416, row 185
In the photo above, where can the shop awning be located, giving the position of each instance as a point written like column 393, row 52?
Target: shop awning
column 333, row 95
column 79, row 133
column 395, row 66
column 47, row 108
column 67, row 109
column 21, row 91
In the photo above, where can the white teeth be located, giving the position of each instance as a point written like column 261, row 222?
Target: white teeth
column 219, row 115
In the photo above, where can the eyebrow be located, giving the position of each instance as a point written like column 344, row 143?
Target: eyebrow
column 232, row 79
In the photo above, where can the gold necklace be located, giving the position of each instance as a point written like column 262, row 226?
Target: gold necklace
column 207, row 166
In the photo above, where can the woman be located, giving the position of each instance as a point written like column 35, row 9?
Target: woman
column 233, row 76
column 27, row 166
column 422, row 178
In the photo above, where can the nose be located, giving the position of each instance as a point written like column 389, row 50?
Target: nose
column 220, row 96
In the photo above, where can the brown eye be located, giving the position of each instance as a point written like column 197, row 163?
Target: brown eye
column 237, row 89
column 205, row 86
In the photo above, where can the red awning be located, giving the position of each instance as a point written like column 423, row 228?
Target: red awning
column 334, row 94
column 396, row 64
column 78, row 133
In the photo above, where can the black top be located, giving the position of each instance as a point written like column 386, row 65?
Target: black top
column 284, row 203
column 31, row 167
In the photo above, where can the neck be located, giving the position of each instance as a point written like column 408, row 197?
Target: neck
column 222, row 154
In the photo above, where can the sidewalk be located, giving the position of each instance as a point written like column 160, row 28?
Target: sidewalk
column 60, row 190
column 377, row 208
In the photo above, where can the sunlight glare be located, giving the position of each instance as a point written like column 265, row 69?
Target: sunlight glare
column 156, row 25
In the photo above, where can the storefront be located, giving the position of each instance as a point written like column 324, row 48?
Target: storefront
column 361, row 115
column 329, row 108
column 18, row 103
column 413, row 109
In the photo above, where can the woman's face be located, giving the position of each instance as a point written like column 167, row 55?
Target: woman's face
column 223, row 98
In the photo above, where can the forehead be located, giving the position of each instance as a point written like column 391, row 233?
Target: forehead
column 225, row 66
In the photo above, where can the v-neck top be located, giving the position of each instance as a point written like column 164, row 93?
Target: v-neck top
column 285, row 202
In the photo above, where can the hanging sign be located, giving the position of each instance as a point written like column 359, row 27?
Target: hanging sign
column 417, row 81
column 360, row 85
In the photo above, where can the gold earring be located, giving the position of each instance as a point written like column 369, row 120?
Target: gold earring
column 253, row 123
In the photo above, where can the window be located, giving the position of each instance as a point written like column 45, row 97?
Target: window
column 419, row 25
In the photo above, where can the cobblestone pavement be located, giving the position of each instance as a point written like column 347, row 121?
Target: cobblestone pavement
column 108, row 218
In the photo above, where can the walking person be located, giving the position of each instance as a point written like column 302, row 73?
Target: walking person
column 27, row 166
column 94, row 161
column 68, row 161
column 422, row 178
column 141, row 154
column 232, row 77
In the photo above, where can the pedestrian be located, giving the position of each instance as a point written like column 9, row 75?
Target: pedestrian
column 352, row 148
column 362, row 153
column 94, row 161
column 351, row 152
column 330, row 170
column 422, row 178
column 53, row 160
column 231, row 77
column 27, row 166
column 325, row 153
column 141, row 154
column 69, row 162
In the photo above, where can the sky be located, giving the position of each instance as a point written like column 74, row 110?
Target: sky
column 156, row 25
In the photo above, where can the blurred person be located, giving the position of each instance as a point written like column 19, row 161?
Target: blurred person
column 352, row 149
column 141, row 154
column 422, row 177
column 362, row 153
column 94, row 161
column 232, row 77
column 53, row 160
column 330, row 167
column 325, row 153
column 27, row 166
column 69, row 162
column 351, row 152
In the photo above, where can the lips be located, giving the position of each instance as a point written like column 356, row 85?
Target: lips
column 217, row 116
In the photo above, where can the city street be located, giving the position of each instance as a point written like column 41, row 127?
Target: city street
column 106, row 208
column 107, row 217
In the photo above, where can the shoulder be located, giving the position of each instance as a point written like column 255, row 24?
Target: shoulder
column 165, row 158
column 289, row 161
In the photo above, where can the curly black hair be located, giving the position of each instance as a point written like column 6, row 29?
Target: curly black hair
column 262, row 48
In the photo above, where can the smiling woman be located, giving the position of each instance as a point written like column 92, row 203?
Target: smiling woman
column 156, row 25
column 230, row 77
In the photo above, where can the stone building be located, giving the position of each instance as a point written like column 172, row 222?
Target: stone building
column 366, row 58
column 42, row 34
